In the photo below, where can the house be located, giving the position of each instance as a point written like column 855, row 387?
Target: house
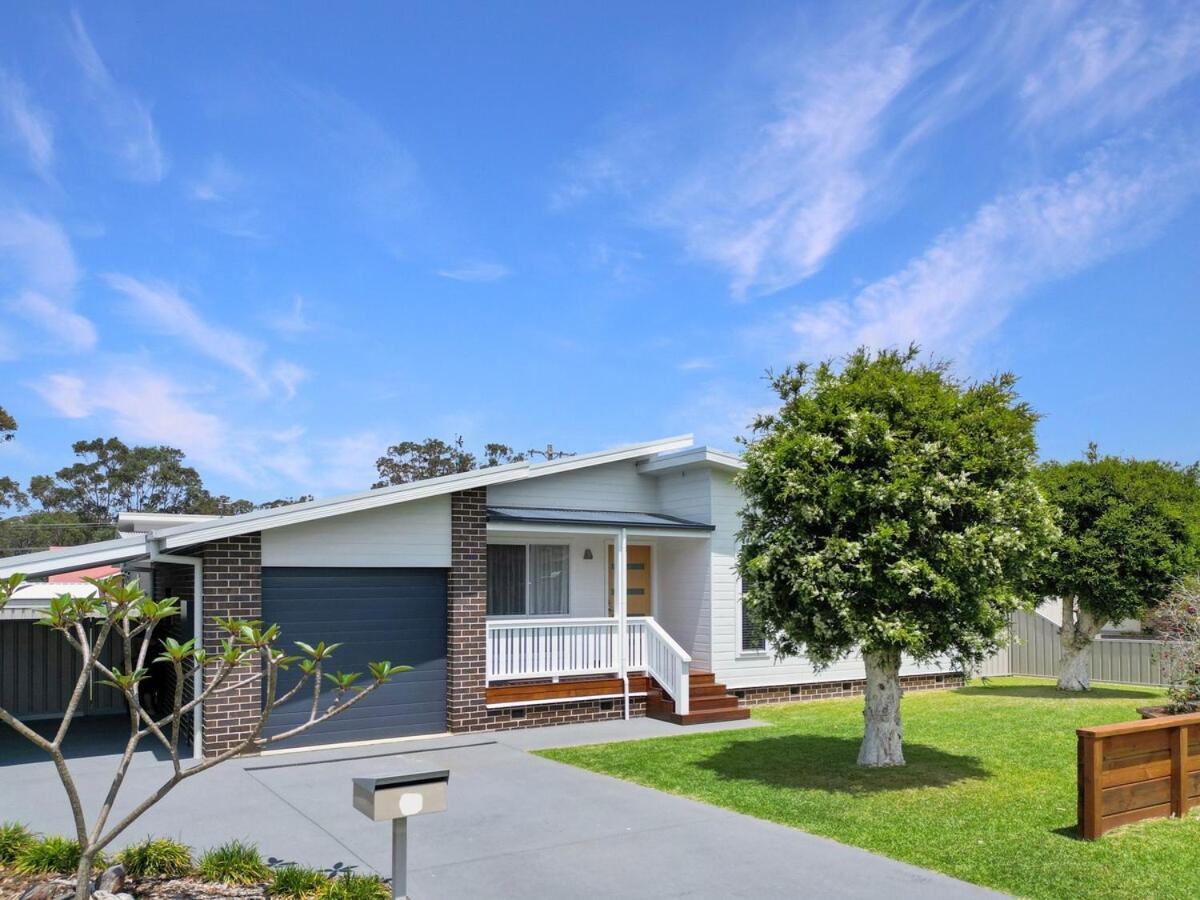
column 587, row 587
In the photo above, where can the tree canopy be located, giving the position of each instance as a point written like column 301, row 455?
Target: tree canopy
column 1130, row 530
column 10, row 491
column 890, row 507
column 432, row 458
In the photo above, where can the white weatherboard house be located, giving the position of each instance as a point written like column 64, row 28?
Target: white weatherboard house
column 588, row 587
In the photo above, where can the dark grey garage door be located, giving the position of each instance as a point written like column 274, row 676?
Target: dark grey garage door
column 376, row 614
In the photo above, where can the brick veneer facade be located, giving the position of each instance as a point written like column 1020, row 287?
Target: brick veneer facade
column 466, row 612
column 828, row 690
column 232, row 587
column 508, row 718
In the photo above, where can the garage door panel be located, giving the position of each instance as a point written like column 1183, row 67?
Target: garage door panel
column 393, row 614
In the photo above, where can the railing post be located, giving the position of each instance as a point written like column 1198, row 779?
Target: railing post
column 1179, row 773
column 685, row 689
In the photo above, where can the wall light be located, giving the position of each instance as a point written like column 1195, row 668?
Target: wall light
column 587, row 552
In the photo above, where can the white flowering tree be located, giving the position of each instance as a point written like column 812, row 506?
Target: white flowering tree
column 249, row 655
column 890, row 509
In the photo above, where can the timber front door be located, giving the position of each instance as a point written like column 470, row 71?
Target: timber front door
column 638, row 580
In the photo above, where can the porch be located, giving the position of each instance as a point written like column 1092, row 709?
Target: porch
column 579, row 603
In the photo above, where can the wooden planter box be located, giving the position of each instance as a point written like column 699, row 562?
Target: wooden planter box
column 1137, row 770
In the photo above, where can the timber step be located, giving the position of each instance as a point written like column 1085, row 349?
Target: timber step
column 708, row 701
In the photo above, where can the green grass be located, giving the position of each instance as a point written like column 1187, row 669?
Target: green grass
column 15, row 839
column 234, row 863
column 157, row 857
column 352, row 886
column 297, row 882
column 988, row 794
column 52, row 855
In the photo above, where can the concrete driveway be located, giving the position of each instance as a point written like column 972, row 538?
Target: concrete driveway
column 518, row 825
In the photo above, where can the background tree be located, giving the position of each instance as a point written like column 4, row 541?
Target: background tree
column 433, row 458
column 1130, row 530
column 39, row 530
column 890, row 508
column 122, row 613
column 10, row 491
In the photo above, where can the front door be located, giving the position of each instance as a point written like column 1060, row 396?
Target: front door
column 638, row 580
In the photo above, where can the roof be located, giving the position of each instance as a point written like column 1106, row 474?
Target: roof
column 191, row 533
column 692, row 457
column 616, row 518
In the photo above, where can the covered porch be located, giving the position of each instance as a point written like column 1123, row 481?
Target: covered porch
column 597, row 605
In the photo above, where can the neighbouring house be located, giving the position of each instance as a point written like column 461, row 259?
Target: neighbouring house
column 588, row 587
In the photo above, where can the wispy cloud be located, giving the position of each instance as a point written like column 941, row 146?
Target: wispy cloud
column 28, row 125
column 126, row 127
column 38, row 270
column 959, row 290
column 696, row 364
column 161, row 308
column 292, row 322
column 477, row 271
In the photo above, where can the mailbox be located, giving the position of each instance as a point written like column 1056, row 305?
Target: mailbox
column 401, row 796
column 394, row 798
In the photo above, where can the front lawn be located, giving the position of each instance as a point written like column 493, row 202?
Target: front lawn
column 988, row 794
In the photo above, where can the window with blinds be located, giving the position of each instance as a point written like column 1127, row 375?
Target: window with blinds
column 754, row 636
column 528, row 579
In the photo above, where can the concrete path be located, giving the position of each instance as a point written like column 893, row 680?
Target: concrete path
column 518, row 825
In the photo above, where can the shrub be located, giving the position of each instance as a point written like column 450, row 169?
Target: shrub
column 1177, row 622
column 297, row 882
column 355, row 887
column 157, row 857
column 15, row 839
column 234, row 863
column 52, row 855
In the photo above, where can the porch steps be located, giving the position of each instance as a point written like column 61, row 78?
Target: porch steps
column 709, row 701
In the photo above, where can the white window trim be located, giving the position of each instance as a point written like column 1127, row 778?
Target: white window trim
column 528, row 583
column 741, row 652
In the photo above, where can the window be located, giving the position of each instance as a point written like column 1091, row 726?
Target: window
column 754, row 636
column 528, row 579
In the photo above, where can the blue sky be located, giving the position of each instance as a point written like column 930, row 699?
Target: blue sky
column 282, row 241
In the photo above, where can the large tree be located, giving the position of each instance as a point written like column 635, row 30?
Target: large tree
column 890, row 509
column 1130, row 529
column 432, row 458
column 10, row 491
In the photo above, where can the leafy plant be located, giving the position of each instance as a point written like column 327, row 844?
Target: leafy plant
column 234, row 863
column 297, row 882
column 15, row 839
column 51, row 855
column 352, row 886
column 157, row 857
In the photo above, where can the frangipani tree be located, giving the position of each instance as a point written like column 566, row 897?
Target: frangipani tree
column 249, row 654
column 1130, row 530
column 890, row 509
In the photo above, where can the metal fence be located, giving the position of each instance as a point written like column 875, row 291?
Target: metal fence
column 1035, row 650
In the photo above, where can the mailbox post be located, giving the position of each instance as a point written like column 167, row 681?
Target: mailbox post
column 395, row 798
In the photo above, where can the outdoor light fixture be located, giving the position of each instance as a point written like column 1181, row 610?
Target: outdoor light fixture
column 587, row 552
column 395, row 798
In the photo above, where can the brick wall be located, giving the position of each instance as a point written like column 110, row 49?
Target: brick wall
column 232, row 587
column 466, row 612
column 828, row 690
column 561, row 713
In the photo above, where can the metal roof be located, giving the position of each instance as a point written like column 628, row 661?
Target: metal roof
column 616, row 518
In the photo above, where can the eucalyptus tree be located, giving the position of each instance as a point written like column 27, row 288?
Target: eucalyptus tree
column 891, row 510
column 249, row 655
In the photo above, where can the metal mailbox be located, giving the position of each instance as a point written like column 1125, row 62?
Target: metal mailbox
column 401, row 796
column 395, row 798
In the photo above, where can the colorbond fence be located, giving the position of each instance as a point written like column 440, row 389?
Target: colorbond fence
column 1137, row 770
column 1036, row 650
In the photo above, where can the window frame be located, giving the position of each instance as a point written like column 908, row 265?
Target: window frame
column 742, row 650
column 527, row 544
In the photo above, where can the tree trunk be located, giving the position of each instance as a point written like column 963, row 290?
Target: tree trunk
column 83, row 877
column 1079, row 629
column 882, row 740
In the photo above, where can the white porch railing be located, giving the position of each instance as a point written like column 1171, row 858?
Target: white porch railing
column 550, row 648
column 669, row 664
